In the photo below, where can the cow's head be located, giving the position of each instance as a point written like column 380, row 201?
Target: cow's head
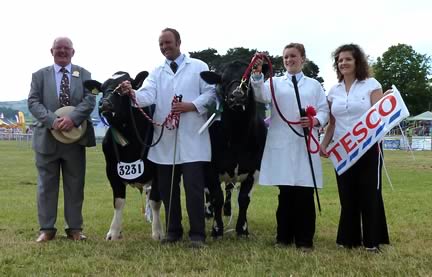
column 230, row 88
column 113, row 103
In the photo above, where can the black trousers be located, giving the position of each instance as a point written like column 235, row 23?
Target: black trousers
column 296, row 216
column 362, row 217
column 193, row 181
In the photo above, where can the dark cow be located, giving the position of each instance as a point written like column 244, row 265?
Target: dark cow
column 125, row 147
column 237, row 141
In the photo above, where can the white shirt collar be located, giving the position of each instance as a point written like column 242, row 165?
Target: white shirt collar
column 58, row 67
column 299, row 76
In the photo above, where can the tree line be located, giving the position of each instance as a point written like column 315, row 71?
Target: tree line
column 400, row 65
column 8, row 113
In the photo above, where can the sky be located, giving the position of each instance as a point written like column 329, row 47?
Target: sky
column 110, row 36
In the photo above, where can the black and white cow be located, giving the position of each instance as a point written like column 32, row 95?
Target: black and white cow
column 237, row 141
column 125, row 147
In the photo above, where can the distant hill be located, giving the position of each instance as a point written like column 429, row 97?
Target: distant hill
column 11, row 108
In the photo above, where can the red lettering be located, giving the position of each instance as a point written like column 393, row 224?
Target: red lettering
column 346, row 141
column 360, row 131
column 392, row 100
column 336, row 153
column 370, row 124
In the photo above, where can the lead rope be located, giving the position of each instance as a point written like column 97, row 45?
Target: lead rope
column 381, row 159
column 177, row 122
column 310, row 111
column 170, row 122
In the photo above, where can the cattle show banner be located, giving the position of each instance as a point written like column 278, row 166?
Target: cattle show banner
column 370, row 128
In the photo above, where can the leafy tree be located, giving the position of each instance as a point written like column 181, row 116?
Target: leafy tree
column 209, row 56
column 311, row 70
column 278, row 67
column 238, row 53
column 216, row 61
column 408, row 71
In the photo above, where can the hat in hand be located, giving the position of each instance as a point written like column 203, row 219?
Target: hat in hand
column 74, row 134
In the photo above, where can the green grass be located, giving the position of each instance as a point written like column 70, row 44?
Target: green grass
column 408, row 209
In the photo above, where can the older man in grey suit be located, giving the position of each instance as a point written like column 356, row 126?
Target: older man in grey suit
column 53, row 156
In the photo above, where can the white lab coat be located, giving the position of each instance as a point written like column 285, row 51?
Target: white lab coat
column 159, row 88
column 285, row 160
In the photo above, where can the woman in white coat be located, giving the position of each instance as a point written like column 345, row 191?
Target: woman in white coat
column 285, row 161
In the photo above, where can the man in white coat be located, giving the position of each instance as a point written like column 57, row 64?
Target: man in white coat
column 179, row 75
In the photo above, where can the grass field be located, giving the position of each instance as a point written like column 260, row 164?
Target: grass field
column 408, row 209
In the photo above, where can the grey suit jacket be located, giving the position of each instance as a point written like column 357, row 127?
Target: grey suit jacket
column 43, row 102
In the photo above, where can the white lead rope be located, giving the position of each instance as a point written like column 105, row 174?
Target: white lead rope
column 381, row 158
column 172, row 182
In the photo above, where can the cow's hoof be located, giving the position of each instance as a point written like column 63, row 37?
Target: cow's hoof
column 217, row 232
column 157, row 231
column 113, row 236
column 243, row 234
column 157, row 236
column 242, row 230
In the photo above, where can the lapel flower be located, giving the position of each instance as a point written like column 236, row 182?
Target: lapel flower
column 95, row 91
column 75, row 73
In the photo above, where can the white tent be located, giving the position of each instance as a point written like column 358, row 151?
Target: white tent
column 423, row 116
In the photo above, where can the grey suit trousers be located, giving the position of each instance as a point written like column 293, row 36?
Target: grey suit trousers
column 70, row 160
column 193, row 177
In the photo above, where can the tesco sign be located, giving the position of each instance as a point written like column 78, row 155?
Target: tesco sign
column 370, row 128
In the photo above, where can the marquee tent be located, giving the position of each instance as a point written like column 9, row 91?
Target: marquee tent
column 423, row 116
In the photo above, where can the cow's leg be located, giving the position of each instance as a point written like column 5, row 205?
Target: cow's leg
column 243, row 201
column 227, row 204
column 119, row 196
column 217, row 203
column 155, row 202
column 216, row 196
column 114, row 232
column 157, row 231
column 148, row 214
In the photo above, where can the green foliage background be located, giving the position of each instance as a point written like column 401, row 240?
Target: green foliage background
column 410, row 72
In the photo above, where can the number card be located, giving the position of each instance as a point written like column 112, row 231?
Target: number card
column 130, row 171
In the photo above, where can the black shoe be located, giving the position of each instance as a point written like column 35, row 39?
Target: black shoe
column 282, row 243
column 170, row 240
column 305, row 249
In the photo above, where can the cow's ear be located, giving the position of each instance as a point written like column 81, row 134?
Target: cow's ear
column 93, row 86
column 211, row 77
column 139, row 79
